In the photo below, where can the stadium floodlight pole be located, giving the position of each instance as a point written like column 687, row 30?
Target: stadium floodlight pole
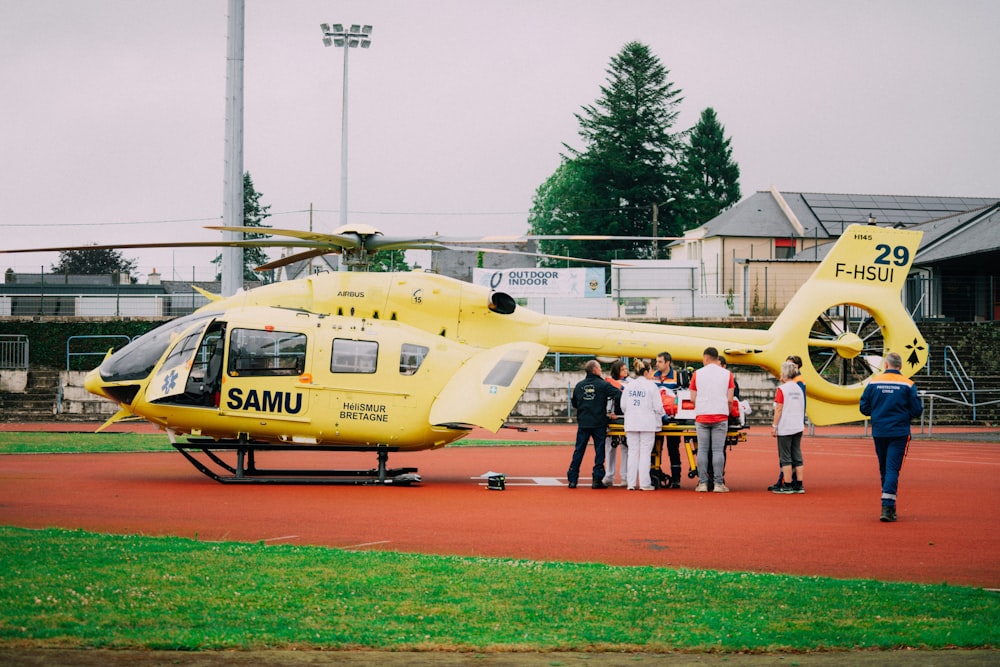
column 231, row 266
column 355, row 36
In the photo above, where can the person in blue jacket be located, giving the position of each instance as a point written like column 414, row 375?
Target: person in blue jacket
column 590, row 399
column 891, row 401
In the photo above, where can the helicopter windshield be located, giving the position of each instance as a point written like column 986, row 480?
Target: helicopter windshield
column 137, row 359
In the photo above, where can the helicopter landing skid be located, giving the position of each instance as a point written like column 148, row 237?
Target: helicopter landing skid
column 245, row 470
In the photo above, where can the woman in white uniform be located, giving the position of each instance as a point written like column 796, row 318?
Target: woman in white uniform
column 643, row 418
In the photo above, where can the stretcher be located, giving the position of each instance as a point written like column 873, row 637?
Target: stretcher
column 688, row 436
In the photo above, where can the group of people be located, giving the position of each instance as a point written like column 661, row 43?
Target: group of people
column 645, row 402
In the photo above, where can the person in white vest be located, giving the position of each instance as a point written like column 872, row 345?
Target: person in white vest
column 643, row 418
column 787, row 427
column 712, row 388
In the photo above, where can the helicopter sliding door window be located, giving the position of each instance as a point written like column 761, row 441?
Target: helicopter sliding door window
column 266, row 353
column 354, row 356
column 410, row 358
column 505, row 370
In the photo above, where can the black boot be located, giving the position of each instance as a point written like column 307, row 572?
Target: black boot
column 888, row 514
column 675, row 477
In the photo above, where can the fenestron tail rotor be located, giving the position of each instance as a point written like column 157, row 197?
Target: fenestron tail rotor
column 846, row 345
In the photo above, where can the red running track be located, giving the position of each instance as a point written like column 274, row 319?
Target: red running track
column 948, row 530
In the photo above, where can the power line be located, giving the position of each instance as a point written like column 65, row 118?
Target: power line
column 216, row 219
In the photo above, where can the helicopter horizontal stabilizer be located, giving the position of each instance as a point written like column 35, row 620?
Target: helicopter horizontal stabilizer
column 488, row 386
column 208, row 295
column 122, row 414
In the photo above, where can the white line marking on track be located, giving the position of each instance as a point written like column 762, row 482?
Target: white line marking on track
column 366, row 544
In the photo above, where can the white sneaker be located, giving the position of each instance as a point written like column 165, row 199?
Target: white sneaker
column 721, row 488
column 647, row 488
column 609, row 482
column 701, row 488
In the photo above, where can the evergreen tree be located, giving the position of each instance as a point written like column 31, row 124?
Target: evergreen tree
column 627, row 165
column 710, row 180
column 254, row 214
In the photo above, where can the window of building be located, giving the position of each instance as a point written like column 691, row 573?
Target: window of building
column 784, row 248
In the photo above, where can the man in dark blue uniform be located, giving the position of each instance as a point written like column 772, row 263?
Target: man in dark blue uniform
column 590, row 399
column 891, row 401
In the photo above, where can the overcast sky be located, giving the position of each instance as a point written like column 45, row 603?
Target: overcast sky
column 113, row 111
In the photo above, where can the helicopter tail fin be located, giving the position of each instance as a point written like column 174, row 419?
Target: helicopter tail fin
column 847, row 317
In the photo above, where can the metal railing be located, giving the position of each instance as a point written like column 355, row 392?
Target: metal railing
column 14, row 351
column 965, row 385
column 99, row 305
column 930, row 398
column 91, row 353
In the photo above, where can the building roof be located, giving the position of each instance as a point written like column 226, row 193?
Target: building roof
column 825, row 216
column 960, row 236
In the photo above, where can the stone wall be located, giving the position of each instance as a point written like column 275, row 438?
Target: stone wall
column 977, row 345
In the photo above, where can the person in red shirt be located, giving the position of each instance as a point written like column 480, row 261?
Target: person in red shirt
column 712, row 388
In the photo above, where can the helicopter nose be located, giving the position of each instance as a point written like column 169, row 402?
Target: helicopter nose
column 95, row 384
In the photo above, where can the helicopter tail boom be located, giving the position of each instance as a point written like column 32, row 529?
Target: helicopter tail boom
column 841, row 322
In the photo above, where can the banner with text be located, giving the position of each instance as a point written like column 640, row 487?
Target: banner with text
column 522, row 283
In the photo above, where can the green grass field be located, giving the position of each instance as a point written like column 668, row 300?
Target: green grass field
column 32, row 442
column 75, row 588
column 72, row 588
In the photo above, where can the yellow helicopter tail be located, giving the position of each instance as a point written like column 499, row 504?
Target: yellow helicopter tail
column 846, row 318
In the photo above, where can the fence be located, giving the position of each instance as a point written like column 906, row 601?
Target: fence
column 945, row 396
column 14, row 351
column 70, row 354
column 100, row 305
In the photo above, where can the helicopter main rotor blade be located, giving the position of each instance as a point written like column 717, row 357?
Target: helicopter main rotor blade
column 601, row 237
column 247, row 243
column 330, row 240
column 531, row 254
column 292, row 259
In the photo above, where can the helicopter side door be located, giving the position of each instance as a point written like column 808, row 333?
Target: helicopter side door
column 266, row 374
column 173, row 379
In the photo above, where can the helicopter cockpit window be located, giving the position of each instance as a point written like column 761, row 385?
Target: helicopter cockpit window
column 354, row 356
column 410, row 358
column 137, row 359
column 266, row 353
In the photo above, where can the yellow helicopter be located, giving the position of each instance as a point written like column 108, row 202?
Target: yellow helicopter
column 385, row 362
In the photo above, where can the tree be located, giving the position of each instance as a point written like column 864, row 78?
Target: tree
column 710, row 180
column 563, row 205
column 390, row 260
column 628, row 164
column 254, row 214
column 93, row 262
